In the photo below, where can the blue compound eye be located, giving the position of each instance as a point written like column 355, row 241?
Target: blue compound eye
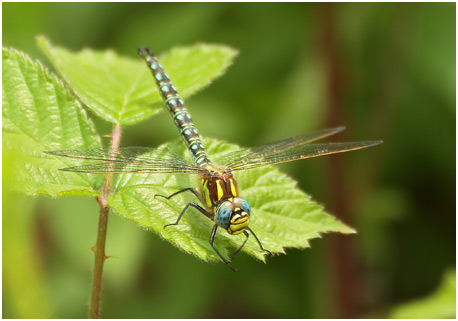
column 243, row 204
column 224, row 213
column 246, row 207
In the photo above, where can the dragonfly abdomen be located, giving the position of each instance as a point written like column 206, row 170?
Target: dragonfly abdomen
column 177, row 108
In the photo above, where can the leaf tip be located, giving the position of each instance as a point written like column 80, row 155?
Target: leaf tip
column 43, row 43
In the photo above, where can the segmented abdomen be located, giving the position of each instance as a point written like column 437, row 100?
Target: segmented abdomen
column 177, row 108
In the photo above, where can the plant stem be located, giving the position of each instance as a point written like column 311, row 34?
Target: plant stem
column 346, row 271
column 99, row 248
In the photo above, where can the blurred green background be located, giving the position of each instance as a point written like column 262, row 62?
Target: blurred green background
column 386, row 71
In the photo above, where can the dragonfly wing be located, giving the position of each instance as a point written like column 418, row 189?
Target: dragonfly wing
column 264, row 150
column 128, row 160
column 102, row 154
column 140, row 167
column 299, row 152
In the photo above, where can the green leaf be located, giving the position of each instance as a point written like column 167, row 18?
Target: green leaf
column 441, row 304
column 39, row 114
column 282, row 215
column 122, row 90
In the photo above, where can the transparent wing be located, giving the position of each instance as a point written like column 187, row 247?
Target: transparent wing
column 125, row 153
column 128, row 160
column 297, row 152
column 264, row 150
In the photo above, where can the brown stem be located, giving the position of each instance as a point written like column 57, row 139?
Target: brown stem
column 348, row 282
column 99, row 248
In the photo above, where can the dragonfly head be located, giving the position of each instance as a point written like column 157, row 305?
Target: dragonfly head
column 233, row 215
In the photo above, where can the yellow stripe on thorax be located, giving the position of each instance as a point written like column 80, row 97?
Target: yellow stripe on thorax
column 206, row 193
column 233, row 189
column 219, row 189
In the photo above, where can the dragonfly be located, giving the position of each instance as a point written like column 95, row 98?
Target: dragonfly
column 218, row 195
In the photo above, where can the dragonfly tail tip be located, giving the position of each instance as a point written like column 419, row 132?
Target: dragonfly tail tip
column 145, row 51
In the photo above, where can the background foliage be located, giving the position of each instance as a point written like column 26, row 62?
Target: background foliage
column 386, row 71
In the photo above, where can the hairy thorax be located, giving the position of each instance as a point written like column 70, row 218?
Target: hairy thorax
column 217, row 186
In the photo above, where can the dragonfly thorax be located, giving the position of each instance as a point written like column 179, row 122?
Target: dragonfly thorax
column 233, row 215
column 216, row 187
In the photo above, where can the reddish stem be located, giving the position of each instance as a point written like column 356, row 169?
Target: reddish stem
column 346, row 265
column 99, row 248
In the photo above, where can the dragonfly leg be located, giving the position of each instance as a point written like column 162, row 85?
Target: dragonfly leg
column 259, row 242
column 241, row 246
column 212, row 239
column 196, row 206
column 191, row 189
